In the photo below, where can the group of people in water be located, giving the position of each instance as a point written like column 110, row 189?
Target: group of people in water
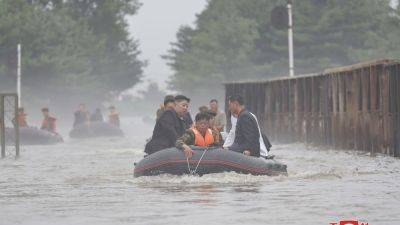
column 175, row 128
column 81, row 116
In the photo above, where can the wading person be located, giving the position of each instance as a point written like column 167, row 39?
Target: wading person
column 199, row 135
column 113, row 116
column 169, row 127
column 81, row 116
column 220, row 117
column 49, row 122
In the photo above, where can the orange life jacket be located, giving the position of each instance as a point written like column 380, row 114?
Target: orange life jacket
column 49, row 124
column 114, row 119
column 22, row 120
column 203, row 141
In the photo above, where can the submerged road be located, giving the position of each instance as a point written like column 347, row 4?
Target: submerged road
column 91, row 182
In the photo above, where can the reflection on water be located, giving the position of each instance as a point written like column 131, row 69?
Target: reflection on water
column 91, row 182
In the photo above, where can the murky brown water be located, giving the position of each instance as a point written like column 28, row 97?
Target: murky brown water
column 91, row 182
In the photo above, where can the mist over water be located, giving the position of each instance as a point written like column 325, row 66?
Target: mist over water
column 91, row 182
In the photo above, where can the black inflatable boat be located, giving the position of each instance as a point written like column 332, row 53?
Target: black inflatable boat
column 32, row 136
column 96, row 129
column 205, row 161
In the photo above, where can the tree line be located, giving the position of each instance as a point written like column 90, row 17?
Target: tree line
column 238, row 40
column 73, row 50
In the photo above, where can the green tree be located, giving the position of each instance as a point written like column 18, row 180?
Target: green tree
column 236, row 40
column 66, row 56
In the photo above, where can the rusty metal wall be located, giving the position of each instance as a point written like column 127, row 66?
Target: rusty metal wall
column 355, row 107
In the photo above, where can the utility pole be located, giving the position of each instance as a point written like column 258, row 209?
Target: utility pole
column 19, row 75
column 290, row 38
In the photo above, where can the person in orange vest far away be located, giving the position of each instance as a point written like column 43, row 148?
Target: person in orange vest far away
column 49, row 122
column 21, row 118
column 113, row 117
column 199, row 135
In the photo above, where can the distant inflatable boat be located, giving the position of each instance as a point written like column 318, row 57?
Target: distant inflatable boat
column 96, row 129
column 32, row 136
column 173, row 161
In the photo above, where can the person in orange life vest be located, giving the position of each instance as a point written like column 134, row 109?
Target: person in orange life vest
column 198, row 135
column 49, row 122
column 113, row 117
column 21, row 118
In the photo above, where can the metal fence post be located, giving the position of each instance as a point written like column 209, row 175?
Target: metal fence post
column 16, row 125
column 2, row 128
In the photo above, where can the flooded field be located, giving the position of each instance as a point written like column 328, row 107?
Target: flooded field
column 91, row 182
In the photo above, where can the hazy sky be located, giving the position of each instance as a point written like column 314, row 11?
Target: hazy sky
column 155, row 27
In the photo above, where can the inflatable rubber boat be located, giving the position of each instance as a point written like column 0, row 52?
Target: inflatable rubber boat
column 96, row 129
column 206, row 161
column 32, row 136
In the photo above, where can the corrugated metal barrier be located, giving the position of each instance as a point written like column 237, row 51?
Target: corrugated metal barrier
column 355, row 107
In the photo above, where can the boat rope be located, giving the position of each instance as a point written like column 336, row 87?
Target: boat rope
column 198, row 163
column 187, row 161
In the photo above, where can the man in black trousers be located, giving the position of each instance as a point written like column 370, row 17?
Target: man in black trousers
column 169, row 127
column 247, row 139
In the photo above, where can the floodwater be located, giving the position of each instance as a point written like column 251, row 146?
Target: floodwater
column 91, row 182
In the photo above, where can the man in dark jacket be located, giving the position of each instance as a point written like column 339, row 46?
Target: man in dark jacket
column 247, row 139
column 97, row 116
column 169, row 127
column 187, row 120
column 81, row 116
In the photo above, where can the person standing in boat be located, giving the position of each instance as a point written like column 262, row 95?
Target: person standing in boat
column 220, row 117
column 169, row 103
column 113, row 117
column 199, row 135
column 247, row 133
column 49, row 122
column 81, row 116
column 97, row 116
column 169, row 127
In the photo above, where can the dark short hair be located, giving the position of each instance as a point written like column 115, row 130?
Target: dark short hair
column 236, row 98
column 214, row 100
column 211, row 113
column 203, row 108
column 201, row 116
column 45, row 109
column 168, row 99
column 111, row 107
column 180, row 98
